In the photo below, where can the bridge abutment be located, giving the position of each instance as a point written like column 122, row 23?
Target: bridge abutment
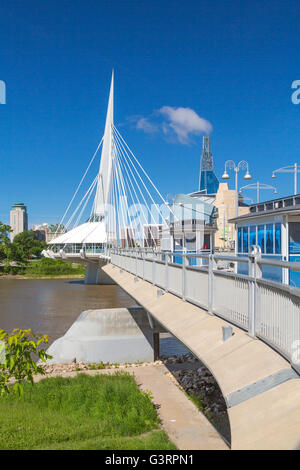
column 95, row 275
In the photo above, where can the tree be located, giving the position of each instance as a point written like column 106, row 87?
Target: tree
column 26, row 245
column 4, row 240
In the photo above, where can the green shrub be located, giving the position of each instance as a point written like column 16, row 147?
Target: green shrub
column 47, row 266
column 17, row 359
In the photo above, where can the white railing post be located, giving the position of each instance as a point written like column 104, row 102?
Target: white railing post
column 153, row 269
column 136, row 255
column 254, row 272
column 183, row 278
column 251, row 295
column 211, row 265
column 166, row 272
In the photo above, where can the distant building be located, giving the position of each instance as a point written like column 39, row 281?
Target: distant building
column 46, row 232
column 192, row 225
column 18, row 219
column 225, row 203
column 208, row 182
column 127, row 237
column 152, row 236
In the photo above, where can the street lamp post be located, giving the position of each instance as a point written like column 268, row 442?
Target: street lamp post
column 289, row 169
column 258, row 186
column 242, row 165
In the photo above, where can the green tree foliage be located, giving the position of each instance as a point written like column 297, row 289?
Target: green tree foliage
column 26, row 245
column 17, row 358
column 4, row 240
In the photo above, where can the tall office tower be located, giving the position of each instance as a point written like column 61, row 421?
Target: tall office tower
column 208, row 181
column 18, row 219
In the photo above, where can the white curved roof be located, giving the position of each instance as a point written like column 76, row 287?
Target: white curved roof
column 90, row 232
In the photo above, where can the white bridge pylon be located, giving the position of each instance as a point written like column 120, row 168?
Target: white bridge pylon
column 127, row 207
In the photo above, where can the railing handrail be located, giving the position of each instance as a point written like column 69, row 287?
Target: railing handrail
column 246, row 302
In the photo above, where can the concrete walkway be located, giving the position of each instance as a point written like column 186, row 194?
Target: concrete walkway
column 263, row 406
column 185, row 425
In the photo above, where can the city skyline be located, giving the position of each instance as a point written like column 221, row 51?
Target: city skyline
column 212, row 75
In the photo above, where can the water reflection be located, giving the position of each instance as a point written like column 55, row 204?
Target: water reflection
column 51, row 305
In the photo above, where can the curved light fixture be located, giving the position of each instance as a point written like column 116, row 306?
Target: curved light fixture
column 225, row 176
column 247, row 176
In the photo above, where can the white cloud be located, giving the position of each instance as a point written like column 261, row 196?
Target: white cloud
column 184, row 122
column 145, row 125
column 179, row 124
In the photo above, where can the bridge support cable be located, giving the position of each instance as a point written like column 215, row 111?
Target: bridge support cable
column 123, row 164
column 151, row 182
column 90, row 189
column 136, row 202
column 122, row 199
column 130, row 163
column 86, row 201
column 125, row 197
column 79, row 185
column 124, row 147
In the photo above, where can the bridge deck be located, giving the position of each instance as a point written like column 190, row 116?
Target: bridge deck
column 252, row 375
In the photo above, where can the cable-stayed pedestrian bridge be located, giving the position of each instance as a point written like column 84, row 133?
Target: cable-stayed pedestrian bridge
column 245, row 328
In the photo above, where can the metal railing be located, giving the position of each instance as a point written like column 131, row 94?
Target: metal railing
column 266, row 309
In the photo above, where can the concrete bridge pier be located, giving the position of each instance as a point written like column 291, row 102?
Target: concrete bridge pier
column 95, row 275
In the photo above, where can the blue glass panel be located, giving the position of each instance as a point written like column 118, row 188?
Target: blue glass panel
column 242, row 268
column 177, row 259
column 294, row 237
column 272, row 272
column 261, row 237
column 209, row 181
column 245, row 239
column 252, row 240
column 294, row 275
column 277, row 238
column 269, row 238
column 239, row 240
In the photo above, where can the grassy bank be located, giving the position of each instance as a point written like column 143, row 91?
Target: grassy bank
column 100, row 412
column 45, row 268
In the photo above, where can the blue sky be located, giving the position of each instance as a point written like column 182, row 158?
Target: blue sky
column 232, row 63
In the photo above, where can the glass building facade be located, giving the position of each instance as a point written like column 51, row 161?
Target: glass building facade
column 268, row 237
column 208, row 181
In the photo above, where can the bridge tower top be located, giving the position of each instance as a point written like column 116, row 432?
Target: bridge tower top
column 105, row 170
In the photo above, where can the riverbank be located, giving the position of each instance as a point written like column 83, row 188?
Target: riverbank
column 43, row 268
column 42, row 276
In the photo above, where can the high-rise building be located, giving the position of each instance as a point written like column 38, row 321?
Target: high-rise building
column 18, row 219
column 208, row 182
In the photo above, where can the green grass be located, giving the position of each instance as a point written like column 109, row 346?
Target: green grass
column 100, row 412
column 49, row 267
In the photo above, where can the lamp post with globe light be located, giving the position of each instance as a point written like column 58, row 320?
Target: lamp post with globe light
column 242, row 165
column 258, row 186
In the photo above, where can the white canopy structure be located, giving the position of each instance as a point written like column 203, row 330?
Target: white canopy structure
column 90, row 232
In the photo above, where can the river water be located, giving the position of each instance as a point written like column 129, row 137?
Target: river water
column 52, row 305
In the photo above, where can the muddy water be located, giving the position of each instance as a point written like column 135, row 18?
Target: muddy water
column 52, row 305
